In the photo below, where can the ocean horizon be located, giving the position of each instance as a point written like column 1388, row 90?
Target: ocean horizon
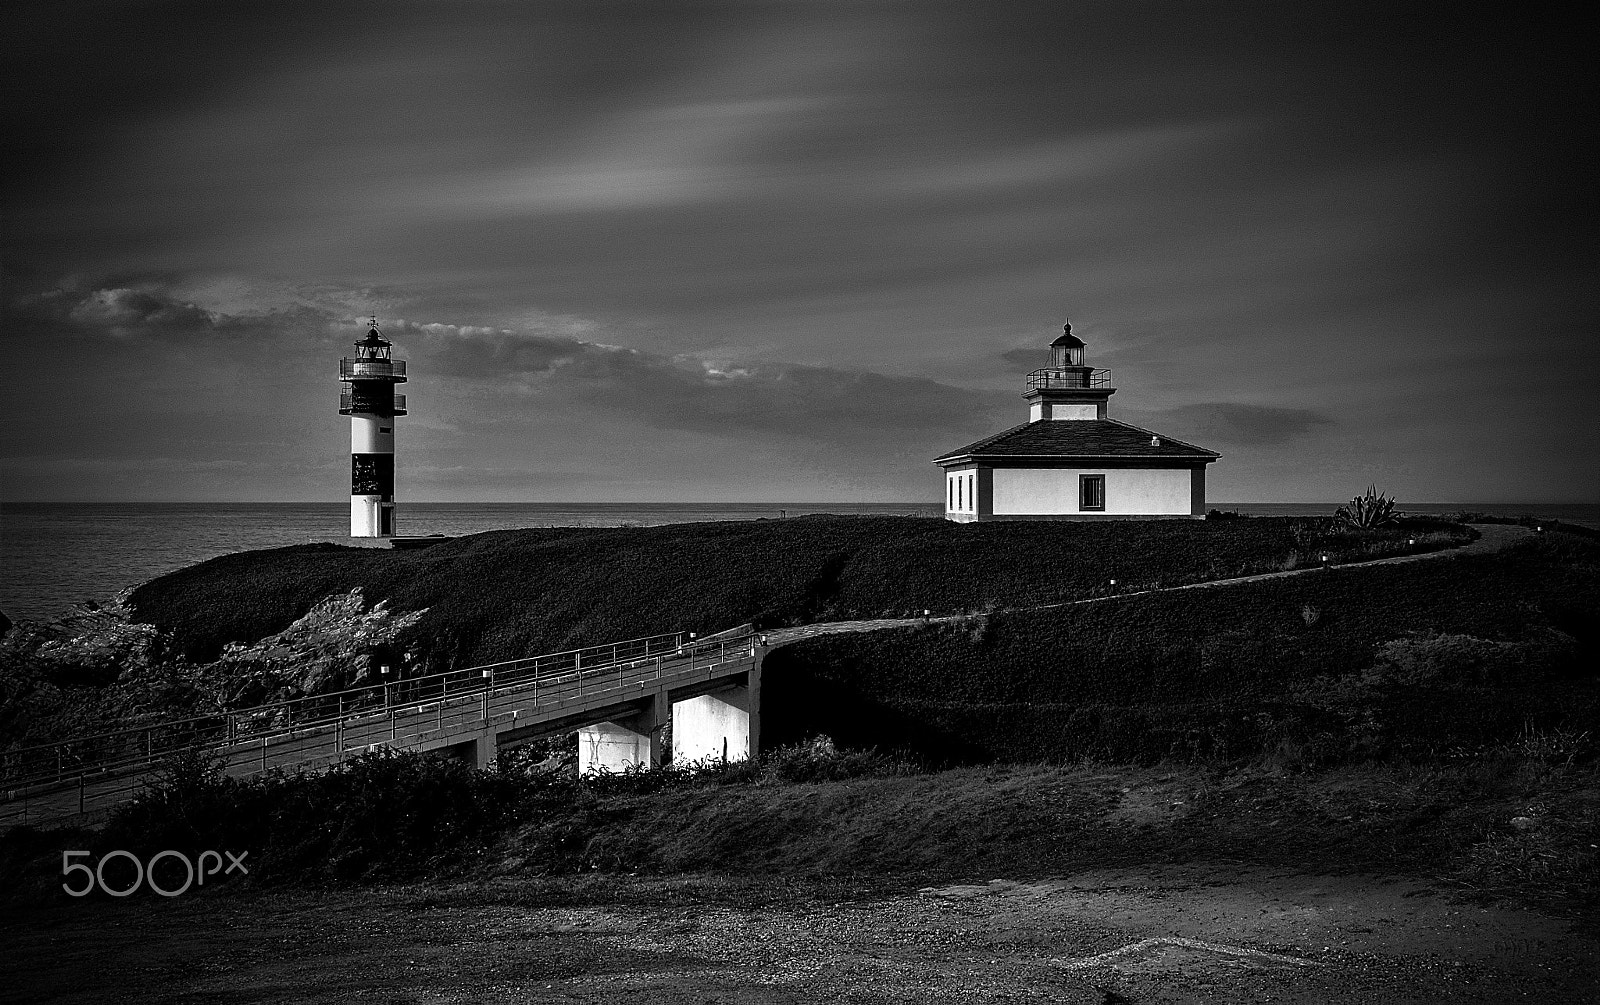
column 56, row 555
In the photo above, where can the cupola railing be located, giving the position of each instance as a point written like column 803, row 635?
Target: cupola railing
column 1069, row 377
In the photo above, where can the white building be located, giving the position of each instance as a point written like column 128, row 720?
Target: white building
column 1069, row 461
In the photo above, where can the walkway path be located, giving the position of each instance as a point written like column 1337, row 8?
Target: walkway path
column 1492, row 537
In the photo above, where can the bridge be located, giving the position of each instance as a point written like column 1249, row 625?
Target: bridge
column 618, row 697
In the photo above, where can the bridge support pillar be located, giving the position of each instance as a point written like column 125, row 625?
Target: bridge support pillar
column 722, row 725
column 634, row 741
column 483, row 749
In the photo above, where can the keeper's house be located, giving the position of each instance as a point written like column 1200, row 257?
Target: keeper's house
column 1070, row 462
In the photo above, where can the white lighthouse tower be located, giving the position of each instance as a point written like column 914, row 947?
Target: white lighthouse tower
column 371, row 403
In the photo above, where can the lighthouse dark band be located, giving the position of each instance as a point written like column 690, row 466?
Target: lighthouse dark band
column 372, row 475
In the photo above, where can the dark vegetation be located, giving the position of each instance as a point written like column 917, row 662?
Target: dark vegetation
column 509, row 594
column 1438, row 717
column 268, row 625
column 1402, row 659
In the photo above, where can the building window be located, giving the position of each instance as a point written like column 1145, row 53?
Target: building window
column 950, row 486
column 1091, row 492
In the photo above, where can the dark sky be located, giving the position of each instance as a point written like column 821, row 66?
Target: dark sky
column 792, row 251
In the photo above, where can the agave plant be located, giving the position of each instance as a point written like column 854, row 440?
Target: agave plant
column 1369, row 509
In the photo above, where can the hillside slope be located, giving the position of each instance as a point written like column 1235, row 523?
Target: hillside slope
column 1351, row 662
column 508, row 594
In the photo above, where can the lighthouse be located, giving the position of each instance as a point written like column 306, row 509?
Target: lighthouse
column 1070, row 461
column 371, row 403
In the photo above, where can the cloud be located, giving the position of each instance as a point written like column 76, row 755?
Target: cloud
column 1237, row 423
column 127, row 312
column 1027, row 357
column 706, row 395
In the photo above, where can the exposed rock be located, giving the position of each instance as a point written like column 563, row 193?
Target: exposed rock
column 97, row 669
column 338, row 644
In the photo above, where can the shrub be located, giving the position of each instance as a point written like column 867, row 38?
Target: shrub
column 1370, row 509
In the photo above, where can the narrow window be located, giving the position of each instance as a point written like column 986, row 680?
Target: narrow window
column 950, row 490
column 1091, row 492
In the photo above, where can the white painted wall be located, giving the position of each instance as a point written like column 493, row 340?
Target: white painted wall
column 1066, row 410
column 704, row 728
column 1129, row 491
column 606, row 746
column 367, row 434
column 1087, row 410
column 364, row 516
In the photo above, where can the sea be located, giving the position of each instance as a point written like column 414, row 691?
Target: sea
column 57, row 555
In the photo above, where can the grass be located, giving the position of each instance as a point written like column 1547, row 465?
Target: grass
column 1497, row 819
column 1409, row 658
column 509, row 594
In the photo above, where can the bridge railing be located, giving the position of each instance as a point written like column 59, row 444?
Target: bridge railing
column 134, row 746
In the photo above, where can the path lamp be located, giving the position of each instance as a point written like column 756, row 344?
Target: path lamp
column 1324, row 561
column 1113, row 584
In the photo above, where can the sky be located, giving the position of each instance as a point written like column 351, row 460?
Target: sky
column 757, row 251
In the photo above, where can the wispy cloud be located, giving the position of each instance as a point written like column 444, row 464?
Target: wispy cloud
column 1235, row 423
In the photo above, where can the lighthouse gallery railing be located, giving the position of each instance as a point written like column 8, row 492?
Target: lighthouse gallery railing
column 355, row 369
column 1058, row 379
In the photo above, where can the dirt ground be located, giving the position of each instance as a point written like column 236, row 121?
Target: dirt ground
column 1178, row 934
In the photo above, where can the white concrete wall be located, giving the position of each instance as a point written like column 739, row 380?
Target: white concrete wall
column 1129, row 491
column 364, row 516
column 368, row 436
column 1066, row 410
column 1088, row 410
column 711, row 726
column 606, row 746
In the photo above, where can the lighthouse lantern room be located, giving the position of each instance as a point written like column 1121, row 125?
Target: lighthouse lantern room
column 370, row 401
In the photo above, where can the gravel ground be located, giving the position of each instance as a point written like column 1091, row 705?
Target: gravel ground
column 1180, row 934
